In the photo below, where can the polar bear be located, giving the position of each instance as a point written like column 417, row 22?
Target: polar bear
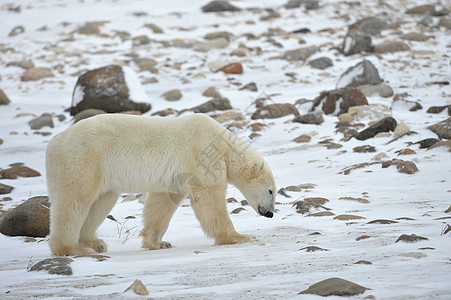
column 89, row 164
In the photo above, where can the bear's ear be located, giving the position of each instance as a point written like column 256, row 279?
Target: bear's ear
column 259, row 165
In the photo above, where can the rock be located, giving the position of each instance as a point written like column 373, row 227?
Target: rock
column 55, row 265
column 4, row 100
column 346, row 217
column 445, row 23
column 211, row 92
column 250, row 87
column 154, row 28
column 257, row 126
column 363, row 262
column 16, row 31
column 370, row 25
column 112, row 89
column 384, row 125
column 410, row 238
column 442, row 144
column 364, row 149
column 416, row 255
column 399, row 102
column 406, row 152
column 145, row 64
column 310, row 118
column 34, row 74
column 172, row 95
column 390, row 46
column 370, row 112
column 415, row 36
column 212, row 105
column 5, row 189
column 19, row 170
column 313, row 249
column 87, row 113
column 24, row 64
column 407, row 167
column 229, row 116
column 335, row 287
column 401, row 129
column 31, row 218
column 426, row 143
column 442, row 129
column 321, row 214
column 141, row 40
column 302, row 139
column 219, row 43
column 219, row 6
column 215, row 65
column 382, row 221
column 436, row 109
column 301, row 53
column 356, row 42
column 237, row 210
column 233, row 68
column 273, row 111
column 361, row 200
column 42, row 121
column 321, row 63
column 421, row 9
column 304, row 206
column 383, row 90
column 138, row 288
column 361, row 74
column 218, row 34
column 311, row 4
column 90, row 28
column 362, row 237
column 346, row 98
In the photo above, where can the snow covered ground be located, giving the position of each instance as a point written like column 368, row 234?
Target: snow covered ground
column 274, row 267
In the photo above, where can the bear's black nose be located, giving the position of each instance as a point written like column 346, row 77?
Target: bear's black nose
column 269, row 214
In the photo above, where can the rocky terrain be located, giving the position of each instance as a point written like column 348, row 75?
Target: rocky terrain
column 348, row 101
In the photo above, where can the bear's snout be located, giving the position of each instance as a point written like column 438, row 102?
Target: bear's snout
column 264, row 212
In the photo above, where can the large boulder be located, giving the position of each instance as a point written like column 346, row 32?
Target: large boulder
column 31, row 218
column 112, row 89
column 361, row 74
column 219, row 6
column 337, row 102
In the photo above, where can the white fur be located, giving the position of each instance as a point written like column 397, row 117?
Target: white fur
column 95, row 160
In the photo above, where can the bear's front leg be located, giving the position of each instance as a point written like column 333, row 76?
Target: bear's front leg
column 211, row 210
column 158, row 211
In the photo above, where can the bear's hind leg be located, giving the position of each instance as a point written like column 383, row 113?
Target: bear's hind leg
column 211, row 211
column 99, row 211
column 158, row 211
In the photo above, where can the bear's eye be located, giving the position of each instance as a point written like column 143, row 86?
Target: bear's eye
column 270, row 192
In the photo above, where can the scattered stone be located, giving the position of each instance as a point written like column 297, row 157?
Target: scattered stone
column 301, row 53
column 361, row 200
column 212, row 105
column 257, row 126
column 370, row 25
column 362, row 237
column 310, row 118
column 234, row 68
column 421, row 9
column 390, row 46
column 90, row 28
column 219, row 6
column 4, row 100
column 24, row 64
column 371, row 112
column 112, row 89
column 363, row 262
column 321, row 63
column 401, row 129
column 335, row 287
column 439, row 109
column 54, row 266
column 42, row 121
column 229, row 116
column 31, row 218
column 293, row 188
column 383, row 90
column 5, row 189
column 411, row 238
column 445, row 23
column 164, row 112
column 145, row 64
column 364, row 149
column 356, row 42
column 313, row 249
column 346, row 217
column 273, row 111
column 138, row 288
column 87, row 113
column 339, row 101
column 16, row 31
column 442, row 144
column 237, row 210
column 219, row 43
column 382, row 221
column 361, row 74
column 406, row 152
column 154, row 28
column 217, row 35
column 321, row 214
column 416, row 255
column 141, row 40
column 384, row 125
column 250, row 87
column 302, row 139
column 407, row 167
column 19, row 170
column 211, row 92
column 283, row 192
column 442, row 129
column 415, row 36
column 172, row 95
column 34, row 74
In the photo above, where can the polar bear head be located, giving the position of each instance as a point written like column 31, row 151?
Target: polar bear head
column 259, row 189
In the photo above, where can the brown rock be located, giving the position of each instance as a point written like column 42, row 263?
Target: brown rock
column 172, row 95
column 362, row 237
column 439, row 109
column 363, row 262
column 257, row 126
column 410, row 238
column 445, row 23
column 5, row 189
column 364, row 149
column 234, row 68
column 273, row 111
column 361, row 200
column 390, row 46
column 55, row 265
column 421, row 9
column 138, row 288
column 87, row 113
column 321, row 214
column 442, row 129
column 382, row 221
column 406, row 152
column 407, row 167
column 21, row 171
column 34, row 74
column 4, row 100
column 302, row 139
column 335, row 287
column 31, row 218
column 211, row 92
column 237, row 210
column 316, row 200
column 346, row 217
column 415, row 36
column 442, row 144
column 212, row 105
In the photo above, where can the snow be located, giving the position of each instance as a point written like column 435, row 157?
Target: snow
column 135, row 88
column 347, row 78
column 78, row 95
column 274, row 267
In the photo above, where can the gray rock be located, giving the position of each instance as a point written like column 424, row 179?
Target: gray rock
column 90, row 28
column 300, row 53
column 87, row 113
column 24, row 64
column 219, row 6
column 273, row 111
column 321, row 63
column 31, row 218
column 442, row 129
column 42, row 121
column 212, row 105
column 145, row 64
column 4, row 100
column 313, row 249
column 172, row 95
column 370, row 25
column 310, row 118
column 384, row 125
column 339, row 101
column 218, row 43
column 361, row 74
column 106, row 89
column 293, row 4
column 56, row 266
column 412, row 238
column 383, row 90
column 250, row 87
column 34, row 74
column 141, row 40
column 336, row 287
column 154, row 28
column 356, row 42
column 16, row 31
column 5, row 189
